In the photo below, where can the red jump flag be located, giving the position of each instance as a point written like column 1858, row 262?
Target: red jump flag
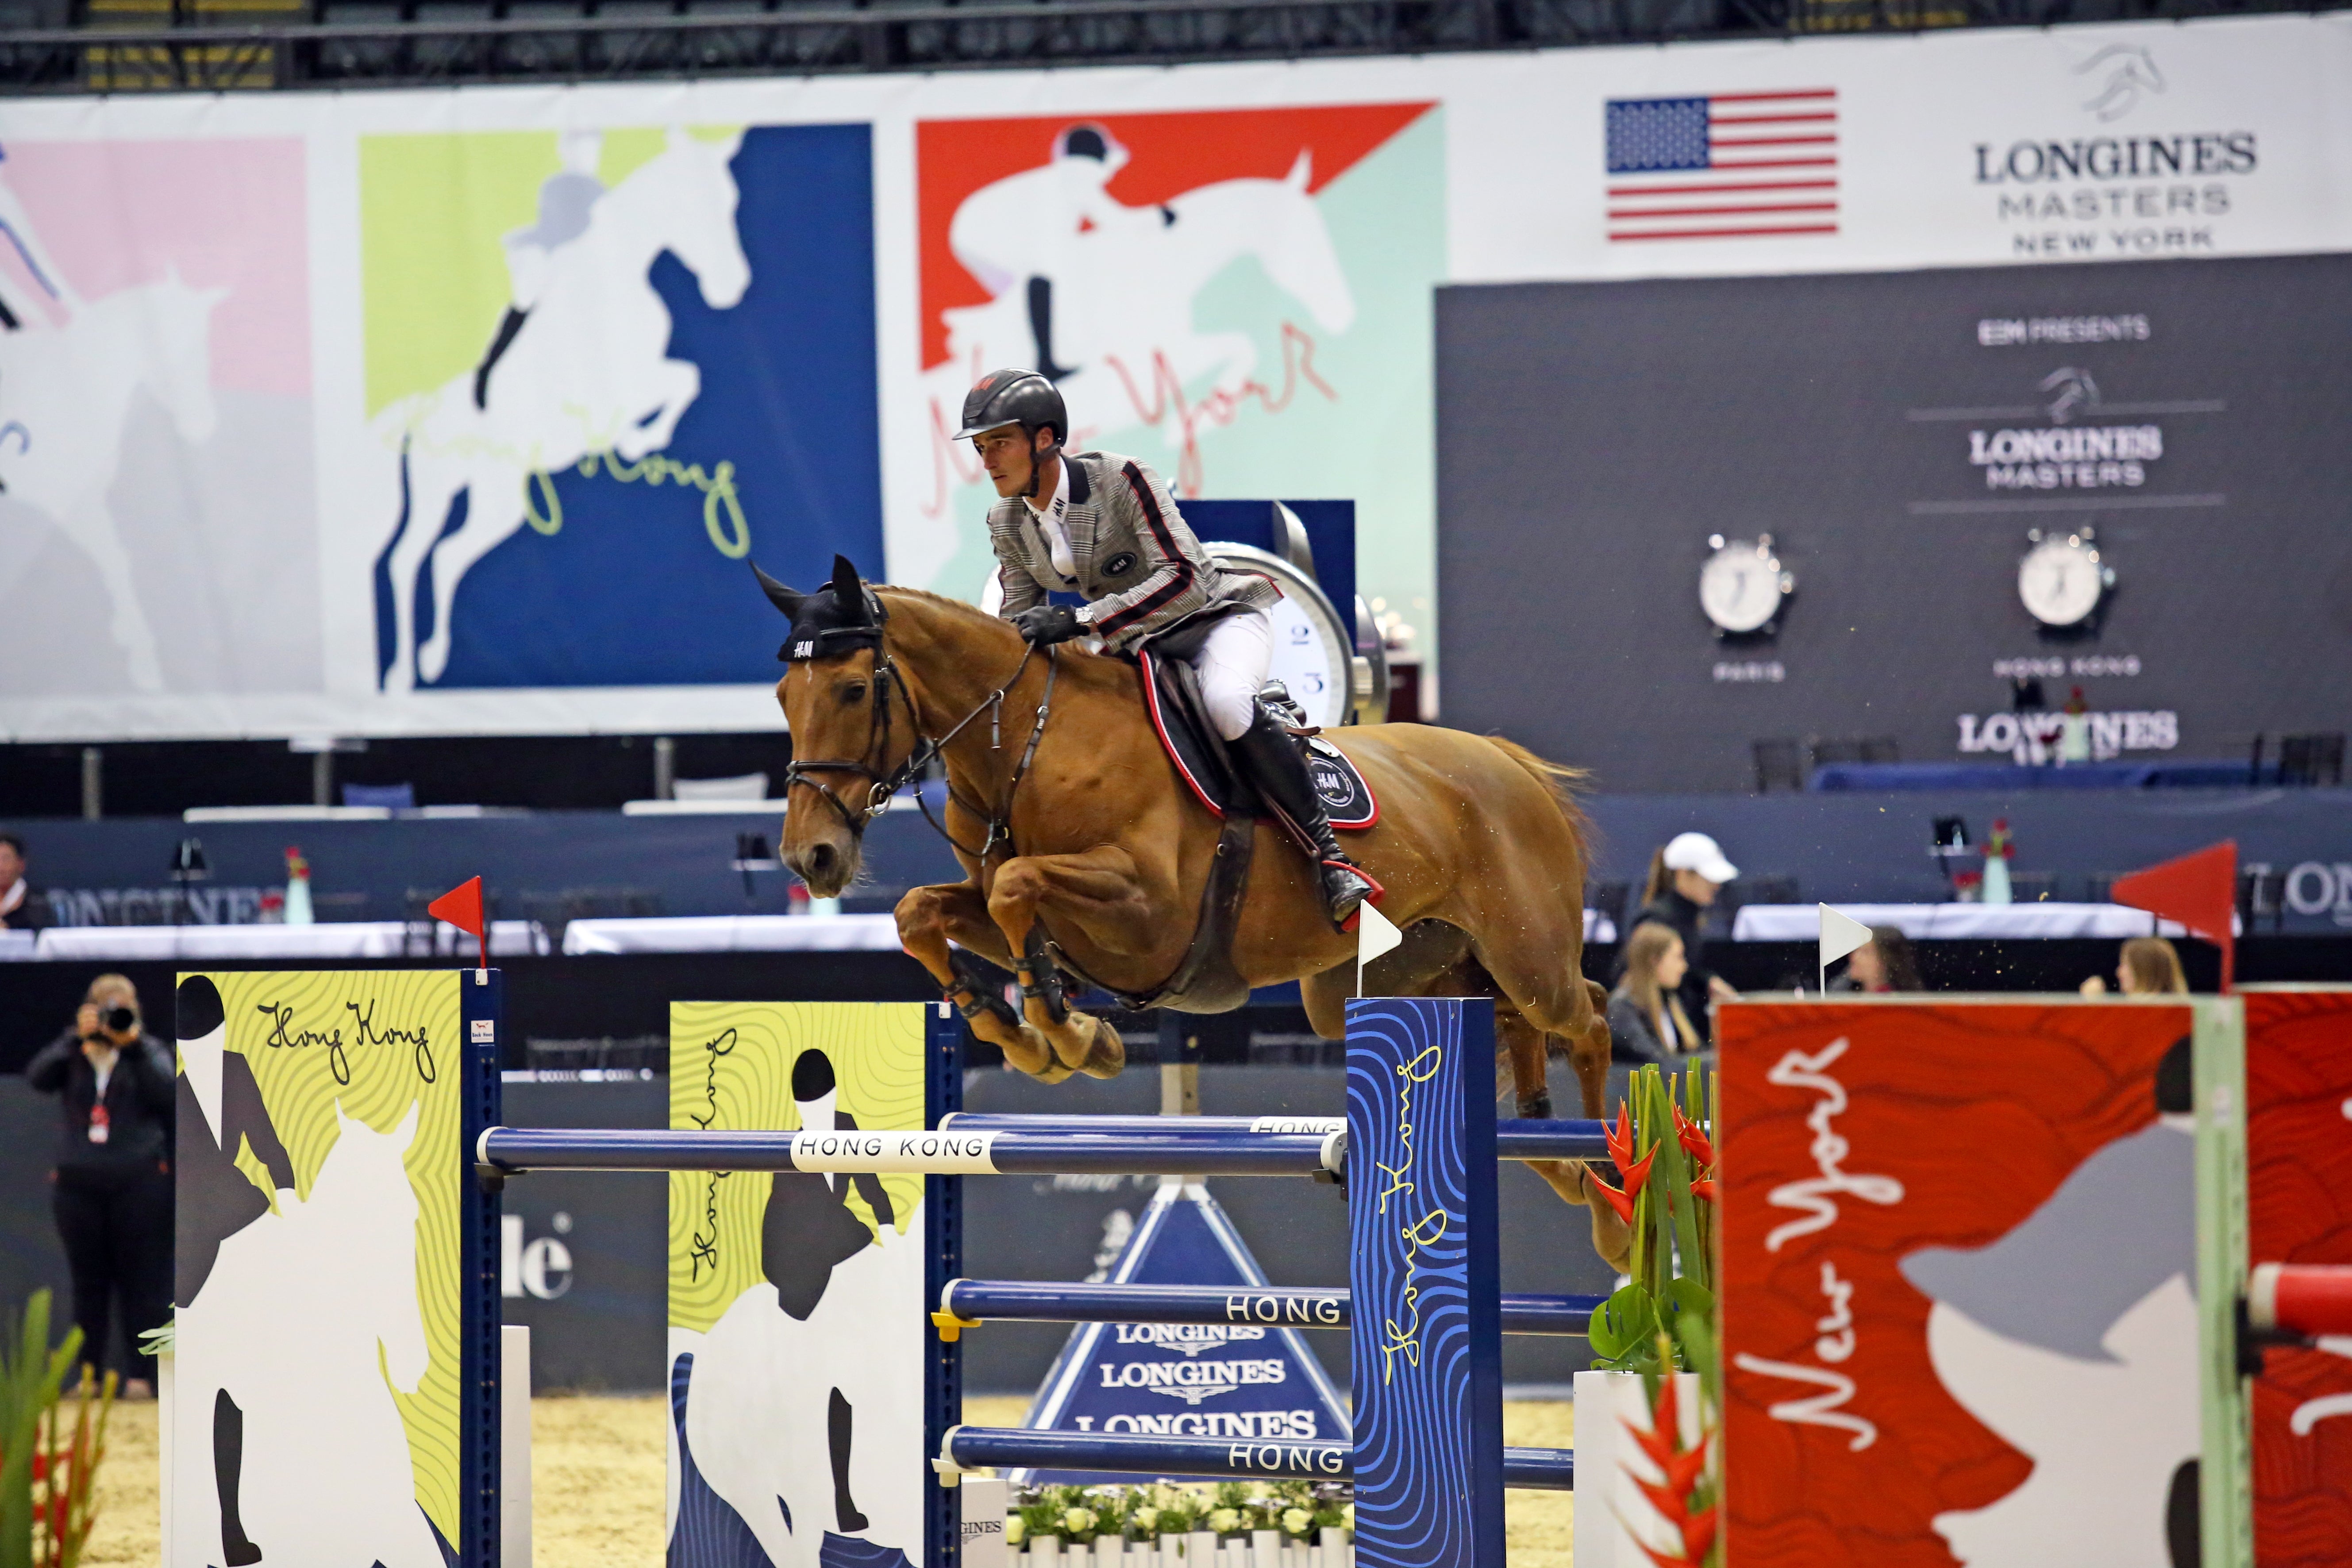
column 461, row 907
column 2199, row 890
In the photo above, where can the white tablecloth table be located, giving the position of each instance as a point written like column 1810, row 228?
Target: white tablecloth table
column 735, row 933
column 340, row 941
column 1955, row 921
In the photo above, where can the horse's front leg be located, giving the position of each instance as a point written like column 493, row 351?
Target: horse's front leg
column 1098, row 891
column 931, row 918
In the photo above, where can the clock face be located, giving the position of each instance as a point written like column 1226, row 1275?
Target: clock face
column 2060, row 581
column 1742, row 586
column 1313, row 653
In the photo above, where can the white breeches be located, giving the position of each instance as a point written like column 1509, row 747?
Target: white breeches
column 1231, row 667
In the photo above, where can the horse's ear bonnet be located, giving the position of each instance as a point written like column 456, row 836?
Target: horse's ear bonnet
column 842, row 614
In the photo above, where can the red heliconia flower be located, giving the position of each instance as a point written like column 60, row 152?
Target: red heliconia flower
column 1698, row 1533
column 1622, row 1205
column 1685, row 1468
column 1620, row 1138
column 1660, row 1558
column 1665, row 1499
column 1637, row 1174
column 1692, row 1138
column 1706, row 1189
column 1653, row 1442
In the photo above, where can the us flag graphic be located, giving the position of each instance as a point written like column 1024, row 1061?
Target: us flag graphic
column 1732, row 165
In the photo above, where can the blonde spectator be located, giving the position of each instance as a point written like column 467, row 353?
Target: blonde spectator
column 1647, row 1021
column 2148, row 966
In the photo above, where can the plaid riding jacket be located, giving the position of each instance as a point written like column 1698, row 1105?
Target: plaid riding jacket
column 1138, row 567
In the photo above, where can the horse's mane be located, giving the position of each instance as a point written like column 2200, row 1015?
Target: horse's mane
column 1075, row 660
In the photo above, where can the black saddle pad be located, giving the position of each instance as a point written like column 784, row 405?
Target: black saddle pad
column 1199, row 753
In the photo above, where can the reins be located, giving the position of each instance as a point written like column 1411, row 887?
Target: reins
column 886, row 785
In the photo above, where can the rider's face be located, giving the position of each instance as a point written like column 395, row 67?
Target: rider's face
column 1009, row 454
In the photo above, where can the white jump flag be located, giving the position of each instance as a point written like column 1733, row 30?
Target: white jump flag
column 1840, row 935
column 1374, row 936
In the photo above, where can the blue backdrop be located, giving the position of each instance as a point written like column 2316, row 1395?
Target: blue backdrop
column 631, row 592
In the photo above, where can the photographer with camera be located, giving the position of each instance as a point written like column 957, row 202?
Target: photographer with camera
column 111, row 1190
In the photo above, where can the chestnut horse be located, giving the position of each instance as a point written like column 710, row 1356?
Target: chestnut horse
column 1080, row 844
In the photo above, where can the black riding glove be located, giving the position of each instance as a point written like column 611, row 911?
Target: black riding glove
column 1046, row 625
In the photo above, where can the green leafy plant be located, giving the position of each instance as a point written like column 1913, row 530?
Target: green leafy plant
column 1665, row 1162
column 34, row 1457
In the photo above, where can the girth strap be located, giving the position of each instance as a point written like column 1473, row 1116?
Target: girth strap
column 1207, row 964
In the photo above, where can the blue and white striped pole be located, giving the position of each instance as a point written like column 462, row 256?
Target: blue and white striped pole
column 1569, row 1138
column 1269, row 1306
column 951, row 1152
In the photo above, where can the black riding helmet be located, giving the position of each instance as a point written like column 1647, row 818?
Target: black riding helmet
column 1020, row 398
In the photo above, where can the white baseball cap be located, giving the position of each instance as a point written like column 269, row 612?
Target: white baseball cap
column 1697, row 852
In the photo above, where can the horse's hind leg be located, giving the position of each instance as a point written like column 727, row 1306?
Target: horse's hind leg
column 1522, row 1044
column 1589, row 1053
column 1536, row 969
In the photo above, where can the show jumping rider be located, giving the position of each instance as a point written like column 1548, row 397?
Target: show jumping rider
column 1103, row 527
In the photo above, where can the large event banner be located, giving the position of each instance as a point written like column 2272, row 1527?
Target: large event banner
column 464, row 411
column 1966, row 1317
column 317, row 1409
column 797, row 1352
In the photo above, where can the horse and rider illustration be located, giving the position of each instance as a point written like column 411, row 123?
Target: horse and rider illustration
column 1089, row 862
column 310, row 1455
column 579, row 367
column 752, row 1408
column 1102, row 296
column 72, row 373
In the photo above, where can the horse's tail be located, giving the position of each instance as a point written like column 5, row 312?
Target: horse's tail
column 1564, row 785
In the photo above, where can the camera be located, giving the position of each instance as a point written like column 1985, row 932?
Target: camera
column 122, row 1020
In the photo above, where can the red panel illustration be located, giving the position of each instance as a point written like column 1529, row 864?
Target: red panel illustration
column 1959, row 1276
column 2299, row 1202
column 1175, row 274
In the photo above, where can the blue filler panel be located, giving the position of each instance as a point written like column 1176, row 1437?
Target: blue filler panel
column 1427, row 1346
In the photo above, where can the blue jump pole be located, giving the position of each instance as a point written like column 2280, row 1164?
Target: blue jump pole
column 953, row 1153
column 1017, row 1448
column 1273, row 1306
column 1524, row 1139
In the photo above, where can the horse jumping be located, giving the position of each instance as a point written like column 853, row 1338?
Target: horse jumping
column 1083, row 852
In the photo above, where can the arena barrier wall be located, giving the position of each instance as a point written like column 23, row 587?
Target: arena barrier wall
column 1905, row 1318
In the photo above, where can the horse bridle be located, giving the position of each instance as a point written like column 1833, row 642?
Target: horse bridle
column 884, row 785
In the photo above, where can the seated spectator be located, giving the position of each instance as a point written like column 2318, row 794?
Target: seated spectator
column 111, row 1189
column 1686, row 876
column 2148, row 966
column 1647, row 1021
column 21, row 908
column 1884, row 963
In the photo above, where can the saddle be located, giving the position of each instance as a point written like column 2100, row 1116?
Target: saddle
column 1206, row 979
column 1181, row 719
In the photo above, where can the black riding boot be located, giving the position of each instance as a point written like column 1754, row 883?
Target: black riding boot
column 1277, row 770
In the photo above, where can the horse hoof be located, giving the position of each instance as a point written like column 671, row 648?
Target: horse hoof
column 1536, row 1107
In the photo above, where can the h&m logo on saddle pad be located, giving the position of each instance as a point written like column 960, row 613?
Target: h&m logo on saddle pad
column 1335, row 783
